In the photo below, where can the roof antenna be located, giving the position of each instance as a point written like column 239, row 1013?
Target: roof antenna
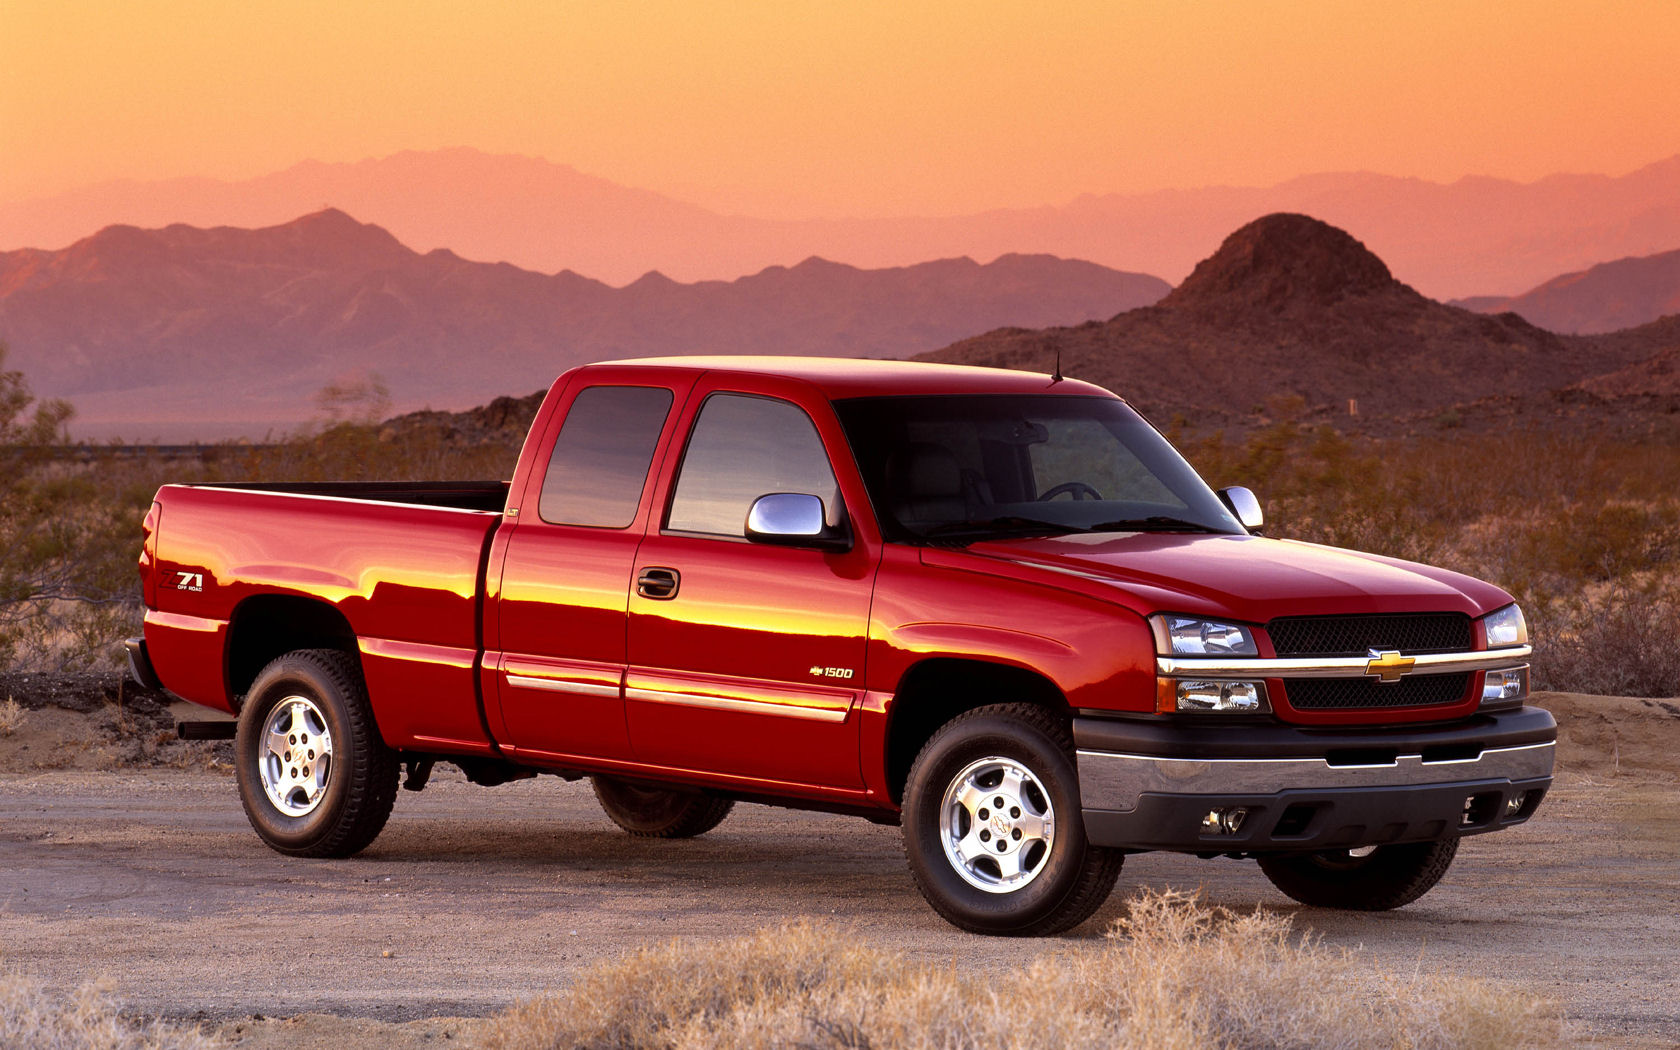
column 1057, row 377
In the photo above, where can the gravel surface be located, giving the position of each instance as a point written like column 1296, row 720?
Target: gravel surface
column 474, row 898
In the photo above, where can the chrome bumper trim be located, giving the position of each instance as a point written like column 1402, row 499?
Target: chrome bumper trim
column 1113, row 781
column 1333, row 666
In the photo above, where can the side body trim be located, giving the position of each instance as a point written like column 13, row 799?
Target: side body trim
column 735, row 703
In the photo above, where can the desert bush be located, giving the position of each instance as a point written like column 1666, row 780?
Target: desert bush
column 32, row 1018
column 1619, row 641
column 1173, row 973
column 11, row 716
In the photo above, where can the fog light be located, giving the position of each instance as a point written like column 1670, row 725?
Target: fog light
column 1514, row 804
column 1234, row 697
column 1224, row 821
column 1506, row 687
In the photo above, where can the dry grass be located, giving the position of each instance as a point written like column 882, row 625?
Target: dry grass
column 31, row 1018
column 12, row 715
column 1173, row 974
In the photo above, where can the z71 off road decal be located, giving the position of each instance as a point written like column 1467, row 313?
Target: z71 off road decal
column 190, row 581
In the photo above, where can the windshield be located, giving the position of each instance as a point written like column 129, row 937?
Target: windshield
column 958, row 468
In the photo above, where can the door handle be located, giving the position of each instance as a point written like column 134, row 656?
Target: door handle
column 658, row 584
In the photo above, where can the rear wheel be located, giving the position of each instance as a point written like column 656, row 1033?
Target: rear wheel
column 659, row 812
column 1374, row 878
column 314, row 776
column 993, row 829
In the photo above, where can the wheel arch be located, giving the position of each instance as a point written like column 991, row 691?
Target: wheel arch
column 270, row 625
column 937, row 689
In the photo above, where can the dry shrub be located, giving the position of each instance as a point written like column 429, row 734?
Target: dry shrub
column 1174, row 974
column 31, row 1018
column 11, row 716
column 1620, row 642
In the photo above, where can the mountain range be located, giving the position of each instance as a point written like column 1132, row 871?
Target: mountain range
column 1474, row 236
column 182, row 323
column 1613, row 295
column 1289, row 305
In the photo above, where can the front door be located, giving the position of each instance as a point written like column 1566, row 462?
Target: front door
column 745, row 658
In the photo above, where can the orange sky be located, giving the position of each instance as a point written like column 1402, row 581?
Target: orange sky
column 795, row 108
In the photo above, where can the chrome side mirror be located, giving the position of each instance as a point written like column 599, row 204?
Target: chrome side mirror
column 793, row 519
column 1245, row 506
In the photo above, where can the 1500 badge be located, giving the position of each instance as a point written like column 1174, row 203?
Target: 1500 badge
column 832, row 672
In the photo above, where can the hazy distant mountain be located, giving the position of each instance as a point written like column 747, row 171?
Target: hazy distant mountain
column 1292, row 305
column 1475, row 235
column 1606, row 298
column 232, row 323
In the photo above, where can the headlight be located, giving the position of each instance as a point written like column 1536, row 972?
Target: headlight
column 1505, row 627
column 1175, row 695
column 1508, row 688
column 1184, row 636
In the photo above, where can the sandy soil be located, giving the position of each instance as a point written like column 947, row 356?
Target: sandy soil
column 147, row 874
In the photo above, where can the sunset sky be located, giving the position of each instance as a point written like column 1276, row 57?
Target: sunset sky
column 793, row 108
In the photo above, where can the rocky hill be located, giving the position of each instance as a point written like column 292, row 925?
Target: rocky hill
column 1291, row 306
column 183, row 322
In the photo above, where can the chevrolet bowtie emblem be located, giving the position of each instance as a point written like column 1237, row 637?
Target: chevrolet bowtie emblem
column 1389, row 666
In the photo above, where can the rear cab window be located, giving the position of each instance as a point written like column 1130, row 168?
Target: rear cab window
column 601, row 458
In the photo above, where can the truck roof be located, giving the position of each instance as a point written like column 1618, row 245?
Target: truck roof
column 842, row 377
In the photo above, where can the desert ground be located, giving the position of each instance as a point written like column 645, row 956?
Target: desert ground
column 125, row 856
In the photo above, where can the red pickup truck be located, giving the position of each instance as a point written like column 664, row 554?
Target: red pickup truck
column 995, row 607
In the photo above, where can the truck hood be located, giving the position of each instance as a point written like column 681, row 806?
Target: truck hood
column 1247, row 578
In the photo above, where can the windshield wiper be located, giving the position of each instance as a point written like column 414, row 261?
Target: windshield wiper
column 1009, row 525
column 1154, row 523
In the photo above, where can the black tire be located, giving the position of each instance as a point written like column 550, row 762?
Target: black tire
column 659, row 812
column 332, row 812
column 1061, row 878
column 1388, row 877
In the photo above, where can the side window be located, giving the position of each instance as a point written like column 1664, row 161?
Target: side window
column 744, row 447
column 601, row 459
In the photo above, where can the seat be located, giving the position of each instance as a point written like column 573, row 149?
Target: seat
column 925, row 485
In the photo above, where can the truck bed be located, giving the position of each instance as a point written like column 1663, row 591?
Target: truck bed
column 400, row 563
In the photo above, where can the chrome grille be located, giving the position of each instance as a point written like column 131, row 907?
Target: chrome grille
column 1358, row 635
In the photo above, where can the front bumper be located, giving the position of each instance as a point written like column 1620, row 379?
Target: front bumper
column 1150, row 784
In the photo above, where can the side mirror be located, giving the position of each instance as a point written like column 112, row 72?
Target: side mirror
column 793, row 519
column 1245, row 506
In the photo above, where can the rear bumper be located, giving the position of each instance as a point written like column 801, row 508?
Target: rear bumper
column 140, row 664
column 1150, row 784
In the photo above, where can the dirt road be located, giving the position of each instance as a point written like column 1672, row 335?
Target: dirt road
column 474, row 898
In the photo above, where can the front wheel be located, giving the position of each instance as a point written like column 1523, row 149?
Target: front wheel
column 314, row 775
column 659, row 812
column 1373, row 878
column 993, row 829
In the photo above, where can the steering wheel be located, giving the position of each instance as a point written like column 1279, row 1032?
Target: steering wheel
column 1078, row 489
